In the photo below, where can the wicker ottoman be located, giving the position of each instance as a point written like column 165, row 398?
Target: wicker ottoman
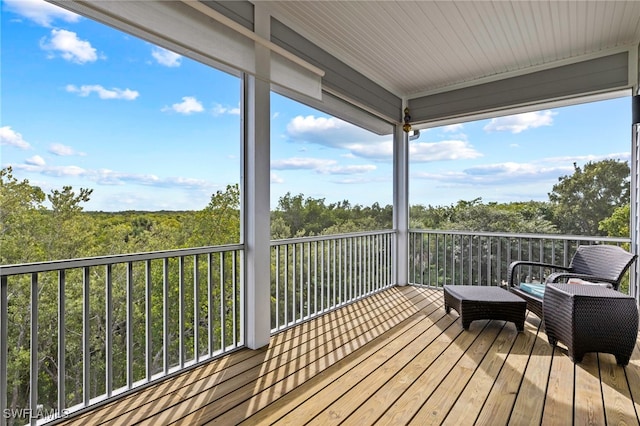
column 480, row 302
column 590, row 318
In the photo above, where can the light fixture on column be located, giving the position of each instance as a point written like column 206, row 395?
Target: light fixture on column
column 407, row 118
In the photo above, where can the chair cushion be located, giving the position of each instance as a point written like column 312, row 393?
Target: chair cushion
column 583, row 282
column 535, row 289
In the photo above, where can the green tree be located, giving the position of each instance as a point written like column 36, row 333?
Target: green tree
column 68, row 236
column 617, row 225
column 474, row 215
column 279, row 229
column 21, row 214
column 66, row 203
column 219, row 222
column 30, row 233
column 588, row 196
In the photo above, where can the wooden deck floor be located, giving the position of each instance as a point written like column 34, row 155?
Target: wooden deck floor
column 394, row 358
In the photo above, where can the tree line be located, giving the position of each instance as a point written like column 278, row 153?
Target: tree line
column 594, row 201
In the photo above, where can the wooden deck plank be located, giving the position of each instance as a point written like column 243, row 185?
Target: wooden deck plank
column 418, row 408
column 228, row 380
column 529, row 403
column 619, row 407
column 331, row 384
column 391, row 358
column 342, row 408
column 633, row 376
column 558, row 406
column 471, row 400
column 306, row 364
column 302, row 362
column 499, row 404
column 588, row 407
column 213, row 372
column 437, row 406
column 225, row 367
column 414, row 382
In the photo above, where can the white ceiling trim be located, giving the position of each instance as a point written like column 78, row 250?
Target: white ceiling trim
column 217, row 16
column 519, row 109
column 633, row 67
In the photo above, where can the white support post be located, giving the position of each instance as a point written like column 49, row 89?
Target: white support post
column 256, row 184
column 401, row 204
column 635, row 196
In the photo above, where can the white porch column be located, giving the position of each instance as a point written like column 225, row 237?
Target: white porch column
column 401, row 203
column 256, row 184
column 635, row 195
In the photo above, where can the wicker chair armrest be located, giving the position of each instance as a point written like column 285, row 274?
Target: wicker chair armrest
column 518, row 263
column 555, row 277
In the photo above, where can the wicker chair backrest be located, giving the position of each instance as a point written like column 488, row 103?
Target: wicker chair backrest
column 603, row 261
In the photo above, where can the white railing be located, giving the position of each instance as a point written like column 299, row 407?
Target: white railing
column 481, row 258
column 313, row 275
column 77, row 332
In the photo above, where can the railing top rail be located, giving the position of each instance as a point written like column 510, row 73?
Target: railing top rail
column 26, row 268
column 525, row 235
column 330, row 237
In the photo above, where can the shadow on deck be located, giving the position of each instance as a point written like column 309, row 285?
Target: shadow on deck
column 392, row 358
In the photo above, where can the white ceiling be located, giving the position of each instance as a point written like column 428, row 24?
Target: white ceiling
column 418, row 47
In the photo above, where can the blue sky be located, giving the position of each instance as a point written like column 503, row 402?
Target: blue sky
column 146, row 129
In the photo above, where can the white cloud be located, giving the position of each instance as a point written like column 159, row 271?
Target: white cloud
column 10, row 137
column 40, row 12
column 499, row 174
column 69, row 46
column 361, row 180
column 166, row 57
column 189, row 105
column 331, row 132
column 423, row 152
column 36, row 160
column 310, row 124
column 350, row 170
column 299, row 163
column 114, row 93
column 321, row 166
column 520, row 122
column 36, row 164
column 541, row 173
column 453, row 128
column 57, row 171
column 276, row 179
column 221, row 110
column 624, row 156
column 335, row 133
column 63, row 150
column 381, row 151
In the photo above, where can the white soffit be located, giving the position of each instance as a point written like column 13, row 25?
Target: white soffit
column 417, row 47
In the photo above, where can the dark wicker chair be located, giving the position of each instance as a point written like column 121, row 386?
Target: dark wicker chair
column 595, row 263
